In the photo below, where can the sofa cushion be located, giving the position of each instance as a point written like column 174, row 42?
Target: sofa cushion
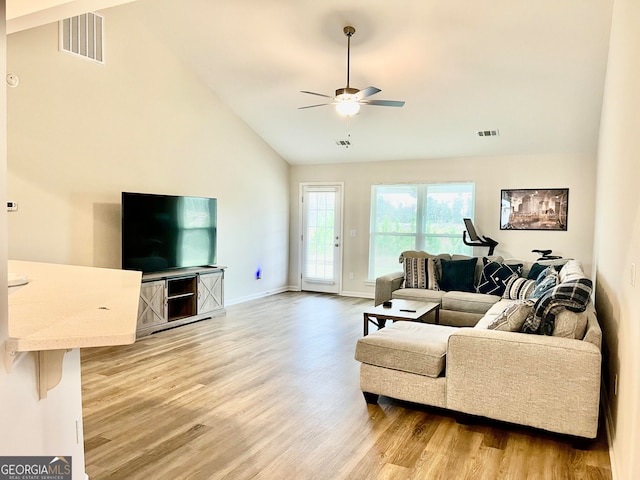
column 457, row 275
column 495, row 275
column 518, row 288
column 513, row 317
column 468, row 302
column 419, row 294
column 420, row 273
column 407, row 346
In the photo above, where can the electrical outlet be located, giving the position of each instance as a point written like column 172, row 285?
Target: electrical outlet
column 350, row 275
column 633, row 274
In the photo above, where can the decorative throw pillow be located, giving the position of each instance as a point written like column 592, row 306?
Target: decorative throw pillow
column 546, row 283
column 569, row 324
column 420, row 273
column 493, row 279
column 479, row 264
column 572, row 270
column 458, row 275
column 535, row 270
column 422, row 254
column 571, row 294
column 513, row 317
column 518, row 288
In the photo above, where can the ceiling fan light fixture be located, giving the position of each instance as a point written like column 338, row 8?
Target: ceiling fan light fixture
column 348, row 99
column 347, row 104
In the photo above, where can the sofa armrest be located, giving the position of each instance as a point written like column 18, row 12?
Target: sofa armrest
column 385, row 286
column 550, row 383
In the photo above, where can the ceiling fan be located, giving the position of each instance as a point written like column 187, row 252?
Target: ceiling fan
column 348, row 99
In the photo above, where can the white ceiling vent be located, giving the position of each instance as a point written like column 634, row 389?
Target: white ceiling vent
column 488, row 133
column 83, row 36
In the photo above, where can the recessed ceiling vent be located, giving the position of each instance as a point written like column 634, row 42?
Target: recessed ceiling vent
column 488, row 133
column 83, row 36
column 343, row 143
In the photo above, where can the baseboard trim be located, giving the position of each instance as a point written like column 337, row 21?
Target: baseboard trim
column 255, row 296
column 608, row 425
column 357, row 295
column 290, row 288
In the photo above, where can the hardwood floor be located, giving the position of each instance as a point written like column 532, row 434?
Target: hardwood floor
column 271, row 391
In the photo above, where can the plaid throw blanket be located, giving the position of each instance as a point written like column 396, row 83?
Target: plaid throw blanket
column 570, row 294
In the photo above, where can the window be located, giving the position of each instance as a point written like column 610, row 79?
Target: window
column 417, row 217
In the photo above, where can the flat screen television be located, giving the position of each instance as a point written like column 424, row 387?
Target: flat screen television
column 165, row 232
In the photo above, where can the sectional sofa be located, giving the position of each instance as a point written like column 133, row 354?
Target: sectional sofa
column 506, row 355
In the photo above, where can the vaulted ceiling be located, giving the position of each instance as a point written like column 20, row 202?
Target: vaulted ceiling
column 533, row 70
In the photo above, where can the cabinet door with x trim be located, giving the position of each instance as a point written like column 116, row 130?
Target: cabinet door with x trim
column 210, row 292
column 152, row 306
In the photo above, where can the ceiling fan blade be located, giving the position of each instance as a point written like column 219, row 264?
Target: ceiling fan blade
column 312, row 106
column 367, row 92
column 318, row 94
column 384, row 103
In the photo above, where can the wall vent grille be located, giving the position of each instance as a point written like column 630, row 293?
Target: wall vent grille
column 83, row 36
column 343, row 143
column 488, row 133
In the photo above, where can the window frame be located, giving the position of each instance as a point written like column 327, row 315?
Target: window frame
column 420, row 235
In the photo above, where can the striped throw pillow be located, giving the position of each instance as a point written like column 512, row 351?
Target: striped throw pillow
column 519, row 288
column 420, row 273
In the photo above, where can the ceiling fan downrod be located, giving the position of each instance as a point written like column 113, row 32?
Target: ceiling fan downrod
column 348, row 31
column 347, row 93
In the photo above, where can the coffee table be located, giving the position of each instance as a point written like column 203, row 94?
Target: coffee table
column 408, row 310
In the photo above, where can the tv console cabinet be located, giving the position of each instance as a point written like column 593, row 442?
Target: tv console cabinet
column 176, row 297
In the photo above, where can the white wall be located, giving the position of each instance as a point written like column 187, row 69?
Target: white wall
column 617, row 244
column 29, row 426
column 490, row 174
column 79, row 133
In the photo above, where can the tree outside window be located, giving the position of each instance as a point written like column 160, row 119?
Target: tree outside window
column 425, row 217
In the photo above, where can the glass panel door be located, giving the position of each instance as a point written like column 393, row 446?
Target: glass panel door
column 321, row 238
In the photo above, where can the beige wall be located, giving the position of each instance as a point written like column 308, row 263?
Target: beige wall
column 618, row 236
column 576, row 172
column 80, row 133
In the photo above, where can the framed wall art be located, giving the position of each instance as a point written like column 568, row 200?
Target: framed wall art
column 534, row 209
